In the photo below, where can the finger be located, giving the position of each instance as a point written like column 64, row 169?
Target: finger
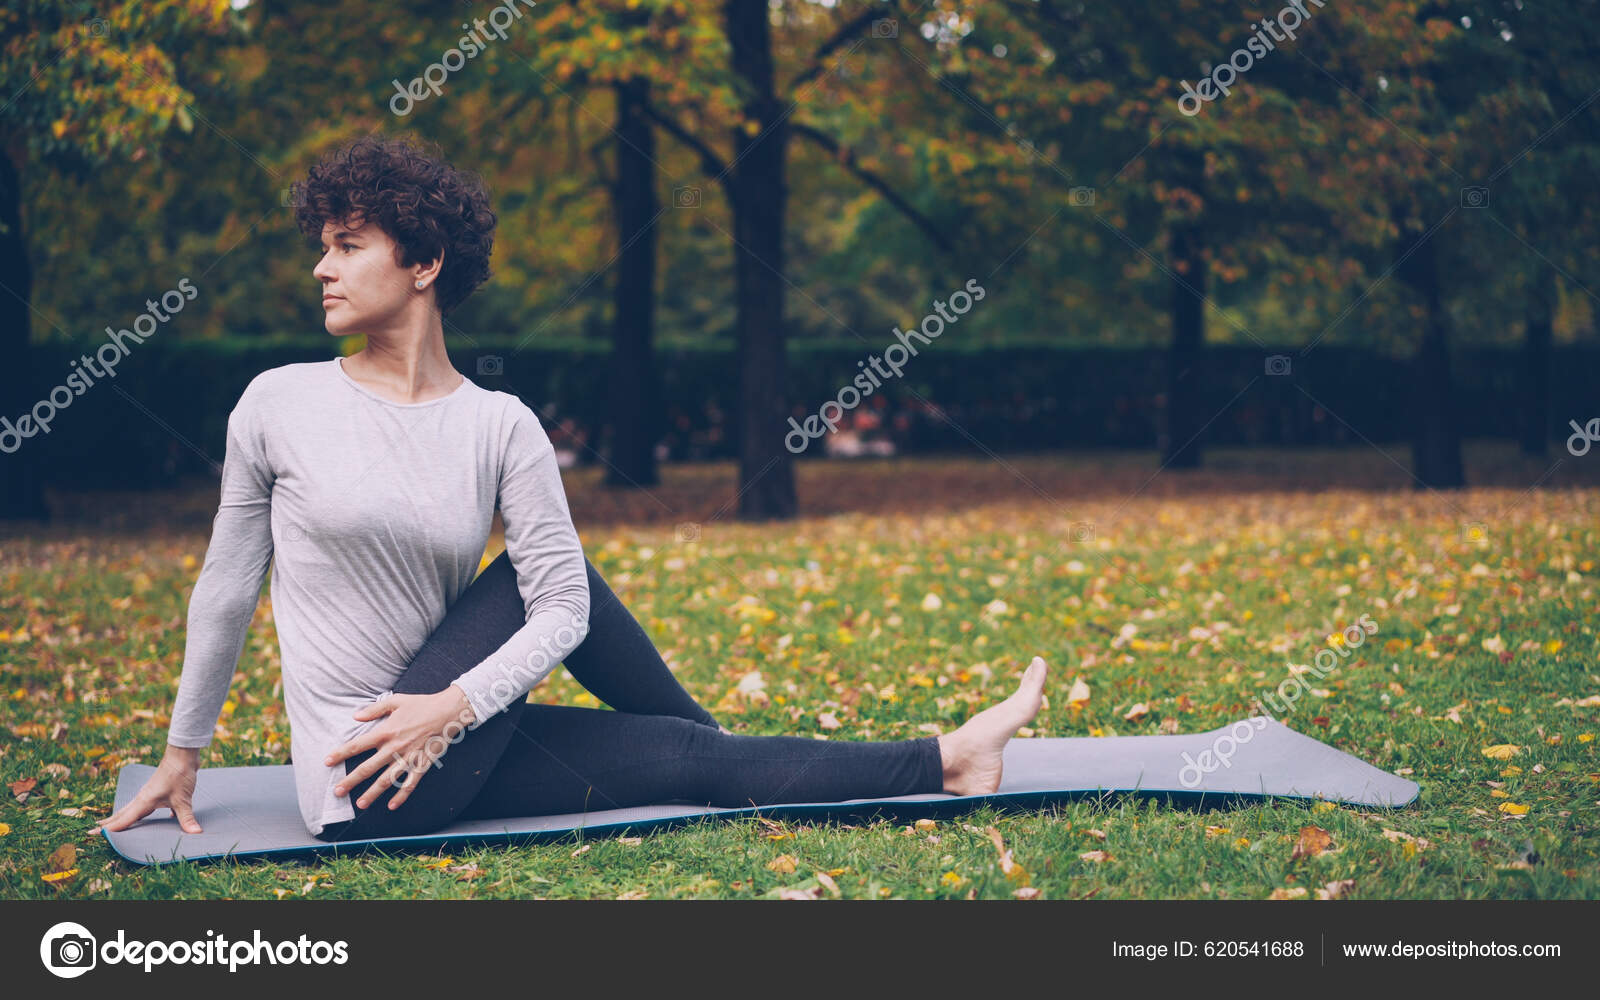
column 129, row 814
column 369, row 740
column 372, row 765
column 109, row 823
column 380, row 707
column 185, row 812
column 398, row 767
column 405, row 784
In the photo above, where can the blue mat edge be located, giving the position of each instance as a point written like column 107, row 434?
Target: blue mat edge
column 932, row 807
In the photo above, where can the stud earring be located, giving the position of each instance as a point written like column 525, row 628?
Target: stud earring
column 419, row 284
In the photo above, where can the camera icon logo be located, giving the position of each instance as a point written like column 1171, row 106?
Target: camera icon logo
column 686, row 197
column 1475, row 196
column 491, row 364
column 68, row 950
column 1080, row 196
column 1277, row 364
column 885, row 27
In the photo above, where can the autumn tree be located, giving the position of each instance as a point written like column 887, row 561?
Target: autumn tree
column 90, row 84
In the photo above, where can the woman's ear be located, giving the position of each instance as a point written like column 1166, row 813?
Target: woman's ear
column 428, row 273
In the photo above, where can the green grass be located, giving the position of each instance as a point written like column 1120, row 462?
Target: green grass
column 831, row 611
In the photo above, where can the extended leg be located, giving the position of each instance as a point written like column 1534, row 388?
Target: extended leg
column 583, row 759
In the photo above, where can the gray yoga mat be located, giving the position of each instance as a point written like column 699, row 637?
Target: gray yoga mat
column 251, row 812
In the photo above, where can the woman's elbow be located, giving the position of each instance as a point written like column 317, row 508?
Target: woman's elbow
column 578, row 605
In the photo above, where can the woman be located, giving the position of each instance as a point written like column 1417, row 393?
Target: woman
column 370, row 482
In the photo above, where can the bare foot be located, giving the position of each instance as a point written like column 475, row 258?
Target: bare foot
column 972, row 754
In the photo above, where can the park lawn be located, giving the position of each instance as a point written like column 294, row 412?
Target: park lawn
column 1480, row 683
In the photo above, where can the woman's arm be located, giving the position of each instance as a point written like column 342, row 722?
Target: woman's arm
column 551, row 576
column 229, row 586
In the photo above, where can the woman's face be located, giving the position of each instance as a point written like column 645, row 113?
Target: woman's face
column 363, row 287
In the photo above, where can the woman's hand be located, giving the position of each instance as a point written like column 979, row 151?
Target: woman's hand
column 419, row 730
column 171, row 786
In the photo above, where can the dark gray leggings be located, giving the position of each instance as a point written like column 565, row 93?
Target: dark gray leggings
column 657, row 746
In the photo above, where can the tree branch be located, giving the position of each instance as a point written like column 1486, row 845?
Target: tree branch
column 847, row 158
column 846, row 31
column 710, row 162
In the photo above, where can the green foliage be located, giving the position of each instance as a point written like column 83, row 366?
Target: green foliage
column 984, row 120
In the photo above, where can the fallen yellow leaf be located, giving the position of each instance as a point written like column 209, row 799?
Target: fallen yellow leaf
column 829, row 884
column 1313, row 841
column 1079, row 695
column 1008, row 867
column 1501, row 751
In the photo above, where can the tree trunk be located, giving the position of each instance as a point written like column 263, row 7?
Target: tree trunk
column 21, row 479
column 1535, row 422
column 1436, row 440
column 766, row 469
column 1180, row 445
column 635, row 397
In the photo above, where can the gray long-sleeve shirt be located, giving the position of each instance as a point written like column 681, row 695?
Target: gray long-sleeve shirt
column 374, row 515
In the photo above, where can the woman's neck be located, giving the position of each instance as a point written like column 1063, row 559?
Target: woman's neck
column 405, row 372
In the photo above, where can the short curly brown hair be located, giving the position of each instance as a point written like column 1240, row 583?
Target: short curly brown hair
column 423, row 203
